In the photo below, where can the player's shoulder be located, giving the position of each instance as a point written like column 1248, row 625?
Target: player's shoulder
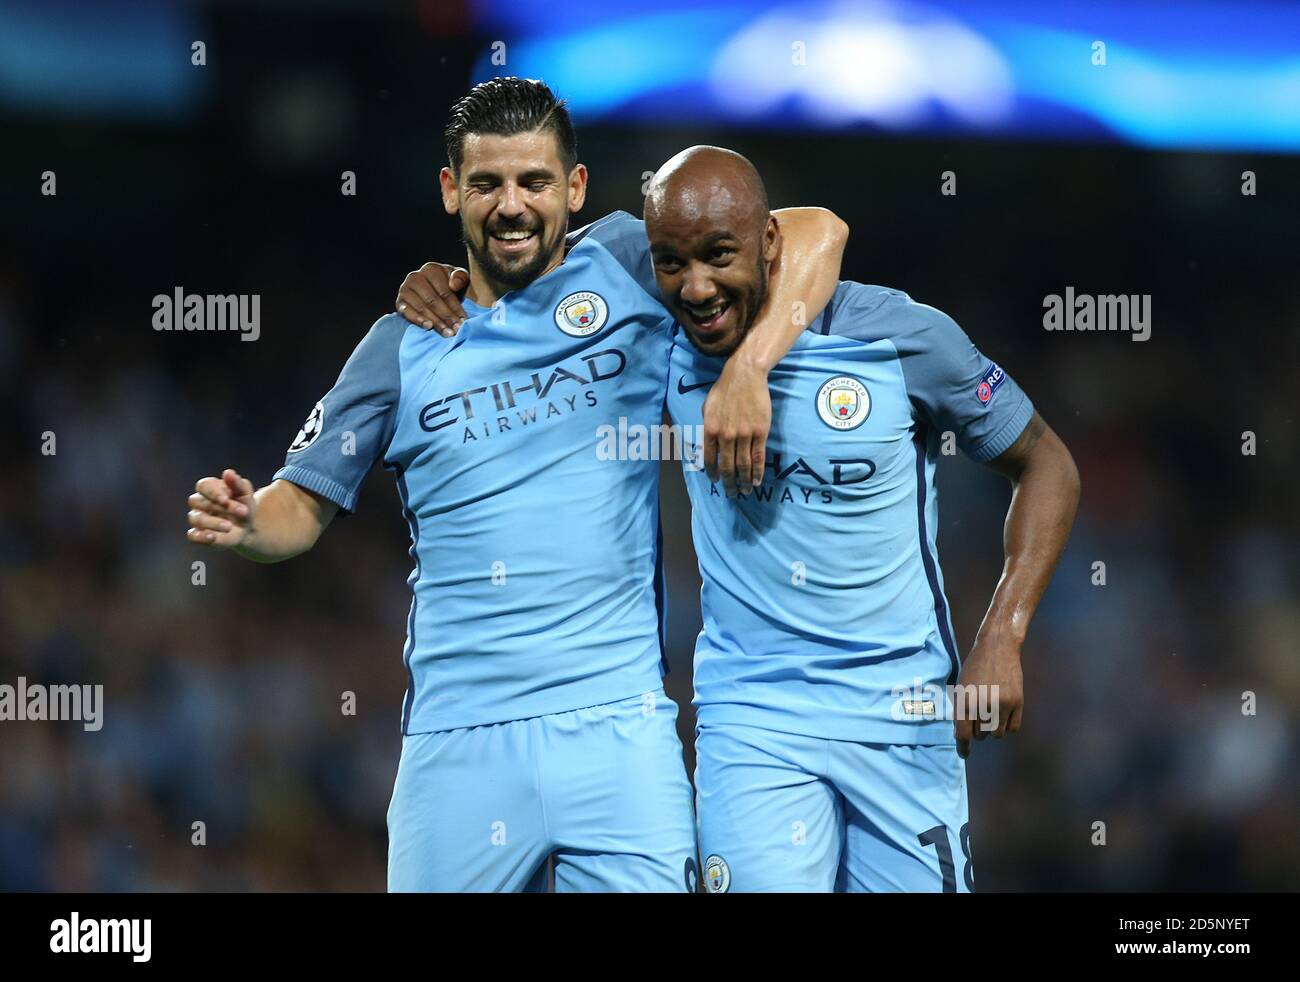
column 615, row 226
column 374, row 369
column 388, row 331
column 868, row 312
column 617, row 249
column 382, row 343
column 392, row 323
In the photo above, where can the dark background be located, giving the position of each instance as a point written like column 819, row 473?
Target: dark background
column 223, row 700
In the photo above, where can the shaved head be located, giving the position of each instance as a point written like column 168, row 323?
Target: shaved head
column 708, row 181
column 712, row 240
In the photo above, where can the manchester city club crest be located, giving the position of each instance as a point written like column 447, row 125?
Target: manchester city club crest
column 581, row 315
column 843, row 403
column 717, row 875
column 310, row 429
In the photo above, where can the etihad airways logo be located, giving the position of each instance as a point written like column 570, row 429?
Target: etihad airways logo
column 496, row 408
column 796, row 479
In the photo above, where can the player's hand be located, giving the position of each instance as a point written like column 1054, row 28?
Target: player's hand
column 997, row 700
column 428, row 297
column 221, row 510
column 737, row 419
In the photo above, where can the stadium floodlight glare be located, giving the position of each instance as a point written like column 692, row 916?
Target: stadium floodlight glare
column 1213, row 75
column 871, row 66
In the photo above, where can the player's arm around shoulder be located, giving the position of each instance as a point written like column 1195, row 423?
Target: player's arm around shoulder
column 806, row 271
column 430, row 297
column 274, row 523
column 806, row 257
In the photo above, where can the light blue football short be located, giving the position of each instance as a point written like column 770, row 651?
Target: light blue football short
column 602, row 791
column 780, row 812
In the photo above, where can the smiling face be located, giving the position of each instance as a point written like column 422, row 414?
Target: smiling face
column 514, row 199
column 712, row 241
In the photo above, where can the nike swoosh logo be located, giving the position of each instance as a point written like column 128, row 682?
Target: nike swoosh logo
column 683, row 388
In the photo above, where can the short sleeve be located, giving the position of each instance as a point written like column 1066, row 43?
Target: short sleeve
column 956, row 386
column 351, row 428
column 624, row 238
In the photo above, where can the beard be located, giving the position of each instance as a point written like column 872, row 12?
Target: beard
column 512, row 273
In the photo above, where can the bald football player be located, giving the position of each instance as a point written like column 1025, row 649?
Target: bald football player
column 833, row 710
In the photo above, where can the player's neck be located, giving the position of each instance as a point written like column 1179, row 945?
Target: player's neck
column 486, row 291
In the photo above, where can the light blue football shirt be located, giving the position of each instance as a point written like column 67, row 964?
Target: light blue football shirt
column 823, row 595
column 538, row 584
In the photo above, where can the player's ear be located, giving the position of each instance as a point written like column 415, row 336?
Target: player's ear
column 771, row 239
column 577, row 187
column 450, row 198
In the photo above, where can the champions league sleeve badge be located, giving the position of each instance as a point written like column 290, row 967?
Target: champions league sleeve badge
column 843, row 403
column 310, row 429
column 992, row 378
column 580, row 315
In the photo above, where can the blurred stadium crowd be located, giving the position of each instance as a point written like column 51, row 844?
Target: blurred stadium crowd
column 223, row 699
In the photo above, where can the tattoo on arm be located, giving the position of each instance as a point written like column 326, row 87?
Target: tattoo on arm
column 1011, row 462
column 1036, row 428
